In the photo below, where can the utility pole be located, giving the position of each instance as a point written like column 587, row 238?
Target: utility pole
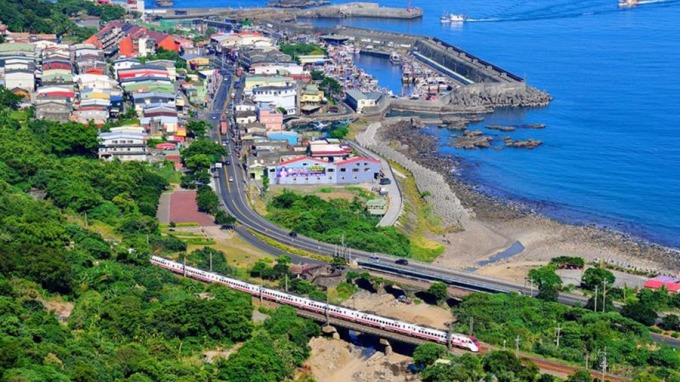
column 531, row 285
column 517, row 345
column 326, row 312
column 587, row 359
column 184, row 266
column 260, row 293
column 210, row 261
column 286, row 283
column 604, row 295
column 604, row 363
column 557, row 340
column 472, row 325
column 595, row 307
column 449, row 336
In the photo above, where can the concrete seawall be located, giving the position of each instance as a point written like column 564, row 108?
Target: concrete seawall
column 372, row 10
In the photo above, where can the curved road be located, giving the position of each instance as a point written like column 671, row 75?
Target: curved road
column 232, row 193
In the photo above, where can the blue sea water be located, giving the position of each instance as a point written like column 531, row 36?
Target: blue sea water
column 611, row 152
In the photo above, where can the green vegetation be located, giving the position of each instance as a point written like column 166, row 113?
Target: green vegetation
column 502, row 366
column 336, row 221
column 330, row 86
column 197, row 128
column 568, row 262
column 418, row 219
column 596, row 277
column 280, row 272
column 548, row 282
column 130, row 321
column 39, row 16
column 297, row 50
column 501, row 318
column 273, row 352
column 439, row 291
column 340, row 132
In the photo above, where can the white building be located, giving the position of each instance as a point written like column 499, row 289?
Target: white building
column 20, row 79
column 281, row 97
column 124, row 143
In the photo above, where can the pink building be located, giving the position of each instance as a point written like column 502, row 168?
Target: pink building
column 271, row 118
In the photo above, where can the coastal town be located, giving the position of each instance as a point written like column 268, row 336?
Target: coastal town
column 257, row 153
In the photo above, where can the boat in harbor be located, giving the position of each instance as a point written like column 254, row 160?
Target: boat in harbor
column 444, row 19
column 628, row 3
column 164, row 3
column 395, row 58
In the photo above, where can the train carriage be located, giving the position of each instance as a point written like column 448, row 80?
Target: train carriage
column 385, row 323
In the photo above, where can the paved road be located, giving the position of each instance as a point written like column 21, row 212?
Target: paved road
column 396, row 204
column 235, row 201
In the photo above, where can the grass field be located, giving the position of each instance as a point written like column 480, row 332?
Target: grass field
column 418, row 219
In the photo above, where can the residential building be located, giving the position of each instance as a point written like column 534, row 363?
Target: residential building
column 672, row 284
column 53, row 109
column 245, row 117
column 270, row 117
column 359, row 101
column 17, row 80
column 96, row 114
column 331, row 152
column 281, row 97
column 123, row 143
column 259, row 81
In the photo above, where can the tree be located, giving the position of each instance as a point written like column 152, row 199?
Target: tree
column 549, row 283
column 224, row 219
column 640, row 312
column 8, row 99
column 265, row 184
column 580, row 376
column 330, row 87
column 671, row 322
column 439, row 291
column 427, row 353
column 197, row 128
column 207, row 200
column 198, row 162
column 595, row 276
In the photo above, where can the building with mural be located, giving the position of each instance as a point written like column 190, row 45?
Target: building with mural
column 305, row 170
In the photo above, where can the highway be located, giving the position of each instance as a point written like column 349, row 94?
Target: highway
column 231, row 181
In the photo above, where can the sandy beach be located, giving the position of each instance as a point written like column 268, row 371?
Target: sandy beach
column 495, row 225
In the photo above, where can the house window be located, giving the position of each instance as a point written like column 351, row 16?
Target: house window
column 343, row 170
column 355, row 170
column 330, row 170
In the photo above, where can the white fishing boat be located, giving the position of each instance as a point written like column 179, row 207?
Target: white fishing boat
column 457, row 18
column 395, row 58
column 628, row 3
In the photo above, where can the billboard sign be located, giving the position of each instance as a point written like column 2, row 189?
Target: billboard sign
column 291, row 172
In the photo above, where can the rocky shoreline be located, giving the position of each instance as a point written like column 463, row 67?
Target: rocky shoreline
column 424, row 150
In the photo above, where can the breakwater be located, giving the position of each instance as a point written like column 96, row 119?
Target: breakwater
column 372, row 10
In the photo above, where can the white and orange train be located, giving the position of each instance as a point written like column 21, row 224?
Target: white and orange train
column 341, row 312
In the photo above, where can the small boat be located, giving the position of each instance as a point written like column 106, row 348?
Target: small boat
column 357, row 50
column 395, row 58
column 444, row 18
column 628, row 3
column 320, row 125
column 457, row 18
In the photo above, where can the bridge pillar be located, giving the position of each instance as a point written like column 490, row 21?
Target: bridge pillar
column 386, row 344
column 330, row 331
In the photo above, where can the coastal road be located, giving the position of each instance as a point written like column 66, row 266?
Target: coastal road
column 232, row 191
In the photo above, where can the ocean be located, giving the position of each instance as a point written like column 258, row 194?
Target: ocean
column 611, row 148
